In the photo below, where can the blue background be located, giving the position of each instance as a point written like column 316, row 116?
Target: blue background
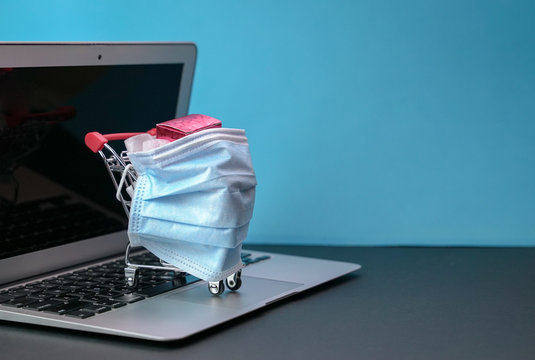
column 370, row 122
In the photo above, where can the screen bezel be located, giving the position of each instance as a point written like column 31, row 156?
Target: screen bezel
column 50, row 54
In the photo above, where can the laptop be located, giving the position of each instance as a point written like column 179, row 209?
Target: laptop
column 63, row 233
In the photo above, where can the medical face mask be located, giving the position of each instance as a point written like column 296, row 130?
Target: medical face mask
column 193, row 200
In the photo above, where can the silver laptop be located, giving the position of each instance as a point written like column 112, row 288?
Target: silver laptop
column 62, row 233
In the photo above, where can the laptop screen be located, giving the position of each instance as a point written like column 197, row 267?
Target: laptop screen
column 54, row 190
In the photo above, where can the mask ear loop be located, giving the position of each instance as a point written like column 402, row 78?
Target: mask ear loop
column 121, row 183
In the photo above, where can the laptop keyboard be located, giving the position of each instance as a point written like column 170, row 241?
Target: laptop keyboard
column 99, row 289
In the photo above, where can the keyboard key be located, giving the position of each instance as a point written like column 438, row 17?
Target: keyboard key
column 96, row 299
column 110, row 293
column 20, row 292
column 61, row 282
column 19, row 302
column 66, row 298
column 80, row 314
column 114, row 304
column 81, row 293
column 98, row 309
column 84, row 283
column 112, row 286
column 45, row 285
column 57, row 292
column 260, row 258
column 97, row 289
column 40, row 296
column 43, row 304
column 129, row 298
column 105, row 281
column 73, row 287
column 66, row 307
column 158, row 289
column 250, row 260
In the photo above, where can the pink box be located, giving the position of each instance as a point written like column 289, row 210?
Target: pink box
column 183, row 126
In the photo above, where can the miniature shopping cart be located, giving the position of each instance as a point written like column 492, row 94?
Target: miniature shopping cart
column 124, row 177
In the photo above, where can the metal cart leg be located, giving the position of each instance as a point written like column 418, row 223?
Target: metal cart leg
column 131, row 274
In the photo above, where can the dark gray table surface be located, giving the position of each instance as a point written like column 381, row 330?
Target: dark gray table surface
column 405, row 303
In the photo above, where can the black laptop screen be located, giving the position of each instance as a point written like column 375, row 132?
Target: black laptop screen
column 53, row 189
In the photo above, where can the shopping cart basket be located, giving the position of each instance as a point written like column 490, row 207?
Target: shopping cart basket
column 124, row 177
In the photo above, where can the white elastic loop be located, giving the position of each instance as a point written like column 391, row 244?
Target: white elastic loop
column 121, row 183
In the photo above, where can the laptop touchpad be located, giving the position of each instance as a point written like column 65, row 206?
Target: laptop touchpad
column 253, row 291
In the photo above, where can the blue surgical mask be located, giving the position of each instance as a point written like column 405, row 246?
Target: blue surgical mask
column 193, row 201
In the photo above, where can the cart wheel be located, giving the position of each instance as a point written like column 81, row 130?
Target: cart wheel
column 234, row 281
column 131, row 275
column 216, row 287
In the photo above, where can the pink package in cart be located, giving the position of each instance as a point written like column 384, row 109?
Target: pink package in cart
column 186, row 125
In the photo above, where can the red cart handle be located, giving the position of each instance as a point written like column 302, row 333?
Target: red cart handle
column 95, row 140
